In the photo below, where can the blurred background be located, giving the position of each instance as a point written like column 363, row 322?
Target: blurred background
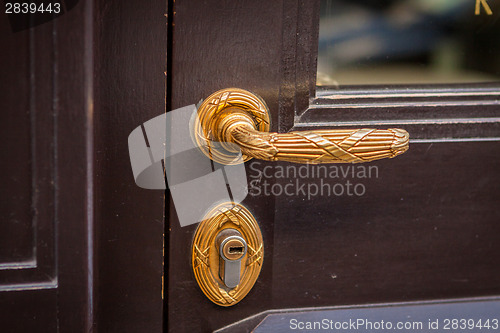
column 408, row 42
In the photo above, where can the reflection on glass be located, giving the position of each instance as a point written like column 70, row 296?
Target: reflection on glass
column 408, row 41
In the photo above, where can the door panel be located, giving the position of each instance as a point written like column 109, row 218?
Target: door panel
column 27, row 236
column 129, row 66
column 80, row 244
column 45, row 273
column 268, row 48
column 424, row 227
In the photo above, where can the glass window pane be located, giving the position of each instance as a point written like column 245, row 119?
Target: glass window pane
column 408, row 41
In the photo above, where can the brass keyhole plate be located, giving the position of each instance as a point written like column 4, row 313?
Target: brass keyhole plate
column 205, row 255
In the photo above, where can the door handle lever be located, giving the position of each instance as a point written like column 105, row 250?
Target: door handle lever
column 233, row 120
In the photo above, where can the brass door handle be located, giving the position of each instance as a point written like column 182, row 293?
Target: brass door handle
column 234, row 119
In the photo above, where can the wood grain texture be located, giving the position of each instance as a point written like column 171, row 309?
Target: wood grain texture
column 48, row 106
column 30, row 311
column 427, row 112
column 28, row 270
column 75, row 168
column 130, row 57
column 250, row 45
column 424, row 229
column 16, row 242
column 75, row 89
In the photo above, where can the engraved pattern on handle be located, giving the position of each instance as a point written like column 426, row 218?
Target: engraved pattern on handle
column 322, row 146
column 236, row 116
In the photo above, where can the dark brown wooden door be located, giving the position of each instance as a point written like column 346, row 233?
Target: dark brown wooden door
column 425, row 225
column 45, row 274
column 81, row 246
column 268, row 48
